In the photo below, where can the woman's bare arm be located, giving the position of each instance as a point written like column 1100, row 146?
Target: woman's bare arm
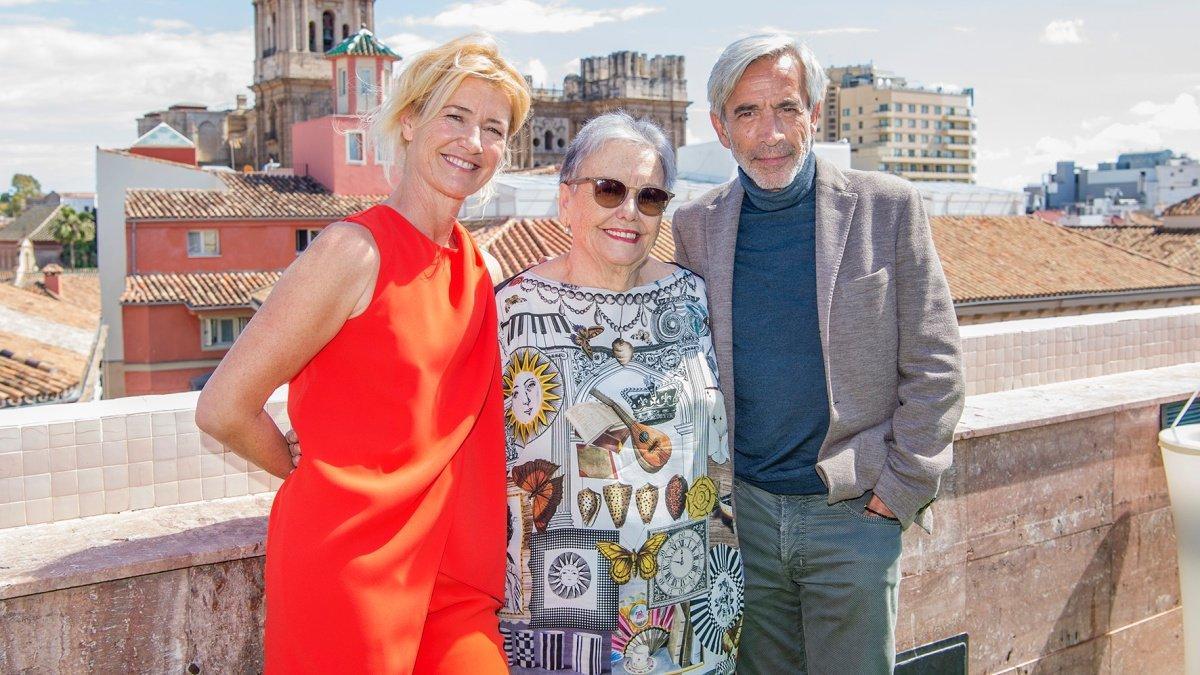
column 331, row 282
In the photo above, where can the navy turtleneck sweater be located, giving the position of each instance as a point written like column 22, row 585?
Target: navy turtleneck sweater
column 779, row 371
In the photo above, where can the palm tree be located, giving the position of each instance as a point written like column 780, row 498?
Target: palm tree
column 71, row 228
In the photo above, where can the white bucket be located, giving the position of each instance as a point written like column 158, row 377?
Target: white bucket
column 1181, row 460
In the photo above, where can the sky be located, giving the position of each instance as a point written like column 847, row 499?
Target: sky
column 1075, row 80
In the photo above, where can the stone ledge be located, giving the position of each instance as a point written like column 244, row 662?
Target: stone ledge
column 54, row 556
column 1005, row 411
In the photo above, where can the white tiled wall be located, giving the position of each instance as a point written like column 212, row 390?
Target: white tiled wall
column 1015, row 354
column 69, row 461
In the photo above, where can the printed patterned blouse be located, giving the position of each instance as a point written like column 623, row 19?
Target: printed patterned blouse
column 622, row 555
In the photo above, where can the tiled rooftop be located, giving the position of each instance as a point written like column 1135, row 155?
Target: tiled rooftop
column 247, row 196
column 199, row 290
column 1187, row 207
column 1014, row 257
column 34, row 222
column 1180, row 248
column 24, row 380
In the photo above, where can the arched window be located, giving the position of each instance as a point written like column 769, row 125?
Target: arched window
column 345, row 31
column 312, row 36
column 271, row 31
column 326, row 31
column 549, row 142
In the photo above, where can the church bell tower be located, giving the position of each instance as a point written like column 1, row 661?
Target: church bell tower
column 292, row 80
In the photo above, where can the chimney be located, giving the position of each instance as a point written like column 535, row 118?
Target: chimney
column 51, row 274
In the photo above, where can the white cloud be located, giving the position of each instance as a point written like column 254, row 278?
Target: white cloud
column 17, row 3
column 166, row 25
column 409, row 44
column 985, row 154
column 1182, row 114
column 536, row 70
column 84, row 89
column 528, row 16
column 1063, row 32
column 571, row 66
column 849, row 30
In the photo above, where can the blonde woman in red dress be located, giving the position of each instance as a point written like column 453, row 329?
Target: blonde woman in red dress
column 385, row 548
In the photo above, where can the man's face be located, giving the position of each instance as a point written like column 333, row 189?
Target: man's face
column 767, row 122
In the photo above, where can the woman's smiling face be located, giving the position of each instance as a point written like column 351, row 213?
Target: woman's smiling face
column 458, row 151
column 618, row 237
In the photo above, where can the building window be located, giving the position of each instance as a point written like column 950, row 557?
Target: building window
column 345, row 31
column 924, row 124
column 883, row 107
column 312, row 36
column 383, row 152
column 203, row 244
column 845, row 112
column 860, row 140
column 326, row 31
column 341, row 82
column 860, row 125
column 937, row 110
column 364, row 76
column 912, row 107
column 912, row 124
column 846, row 126
column 354, row 147
column 220, row 332
column 860, row 110
column 912, row 138
column 304, row 237
column 925, row 109
column 897, row 137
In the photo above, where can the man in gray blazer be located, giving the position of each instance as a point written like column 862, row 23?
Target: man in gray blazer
column 839, row 359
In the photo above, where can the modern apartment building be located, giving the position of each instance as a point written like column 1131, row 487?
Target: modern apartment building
column 919, row 133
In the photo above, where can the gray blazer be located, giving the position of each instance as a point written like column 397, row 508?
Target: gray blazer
column 890, row 337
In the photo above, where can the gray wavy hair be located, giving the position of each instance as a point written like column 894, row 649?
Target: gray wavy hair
column 618, row 126
column 739, row 55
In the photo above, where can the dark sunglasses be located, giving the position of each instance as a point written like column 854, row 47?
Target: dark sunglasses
column 611, row 193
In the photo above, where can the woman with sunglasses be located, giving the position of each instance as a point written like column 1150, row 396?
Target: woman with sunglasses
column 621, row 549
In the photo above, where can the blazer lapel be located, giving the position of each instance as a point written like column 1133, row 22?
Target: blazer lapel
column 835, row 213
column 720, row 229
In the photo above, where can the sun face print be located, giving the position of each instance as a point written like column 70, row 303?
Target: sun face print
column 532, row 390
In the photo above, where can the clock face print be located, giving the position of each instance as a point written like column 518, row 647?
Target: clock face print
column 682, row 565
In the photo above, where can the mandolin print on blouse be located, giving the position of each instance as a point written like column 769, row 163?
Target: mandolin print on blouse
column 622, row 553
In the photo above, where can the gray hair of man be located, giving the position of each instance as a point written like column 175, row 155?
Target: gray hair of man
column 739, row 55
column 618, row 126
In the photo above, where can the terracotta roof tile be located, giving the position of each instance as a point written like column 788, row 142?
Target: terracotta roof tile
column 26, row 381
column 1012, row 257
column 199, row 290
column 1187, row 207
column 1180, row 248
column 247, row 196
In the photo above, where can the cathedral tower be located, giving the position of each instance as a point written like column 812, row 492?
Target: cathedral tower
column 292, row 80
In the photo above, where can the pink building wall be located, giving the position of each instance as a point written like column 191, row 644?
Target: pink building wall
column 180, row 155
column 244, row 245
column 319, row 150
column 165, row 334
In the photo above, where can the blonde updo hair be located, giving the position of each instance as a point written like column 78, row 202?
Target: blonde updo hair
column 425, row 84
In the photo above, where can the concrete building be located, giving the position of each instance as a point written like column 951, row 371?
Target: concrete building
column 919, row 133
column 1153, row 180
column 653, row 87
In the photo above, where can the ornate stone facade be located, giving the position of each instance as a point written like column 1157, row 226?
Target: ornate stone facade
column 292, row 78
column 652, row 87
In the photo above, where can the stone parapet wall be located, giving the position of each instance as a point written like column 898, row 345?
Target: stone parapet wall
column 1053, row 550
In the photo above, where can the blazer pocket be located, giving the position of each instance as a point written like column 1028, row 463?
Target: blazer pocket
column 879, row 277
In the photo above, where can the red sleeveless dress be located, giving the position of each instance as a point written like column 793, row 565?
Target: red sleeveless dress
column 401, row 490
